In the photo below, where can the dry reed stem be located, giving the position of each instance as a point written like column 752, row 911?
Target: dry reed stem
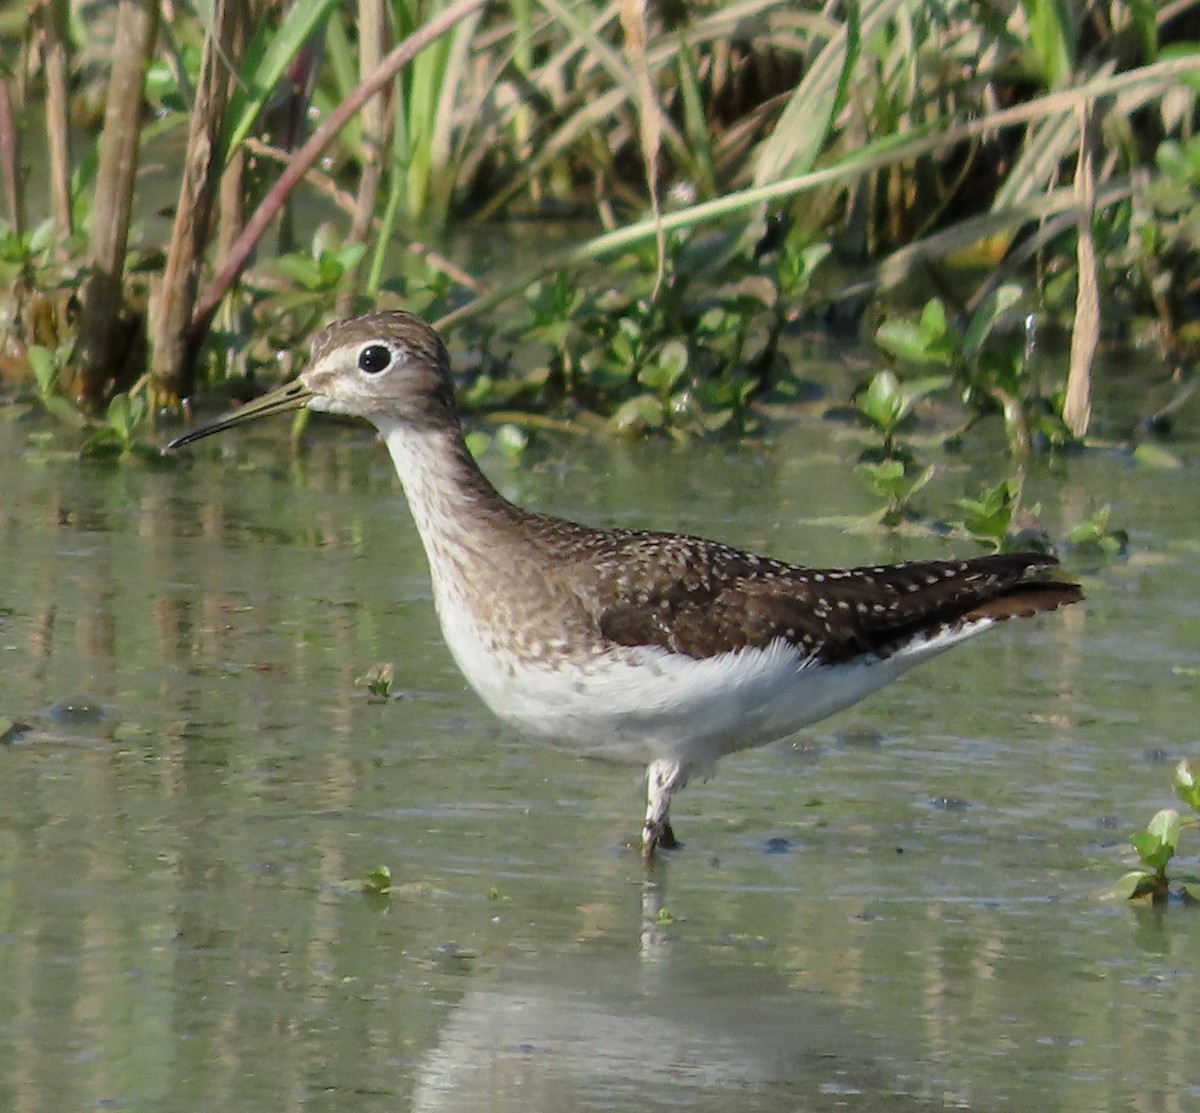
column 633, row 24
column 102, row 344
column 173, row 360
column 1085, row 335
column 53, row 18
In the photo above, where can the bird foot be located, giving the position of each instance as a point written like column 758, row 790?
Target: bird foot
column 658, row 836
column 664, row 777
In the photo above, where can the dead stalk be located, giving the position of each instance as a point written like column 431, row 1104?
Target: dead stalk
column 173, row 359
column 1085, row 335
column 103, row 340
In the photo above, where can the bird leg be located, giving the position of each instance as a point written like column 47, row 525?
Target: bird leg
column 663, row 779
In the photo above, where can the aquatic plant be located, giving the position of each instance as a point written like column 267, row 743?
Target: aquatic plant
column 379, row 680
column 378, row 882
column 123, row 431
column 1095, row 537
column 892, row 470
column 1157, row 844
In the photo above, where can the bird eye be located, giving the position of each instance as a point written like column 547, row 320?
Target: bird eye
column 374, row 358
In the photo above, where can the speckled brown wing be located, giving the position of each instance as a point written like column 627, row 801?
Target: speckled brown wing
column 700, row 599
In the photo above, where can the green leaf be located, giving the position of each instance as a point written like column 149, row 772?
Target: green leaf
column 885, row 479
column 268, row 55
column 350, row 255
column 44, row 367
column 1166, row 825
column 125, row 414
column 379, row 881
column 989, row 516
column 887, row 401
column 1155, row 456
column 1095, row 535
column 1151, row 885
column 301, row 269
column 921, row 481
column 929, row 340
column 512, row 440
column 1187, row 786
column 903, row 339
column 61, row 409
column 1132, row 885
column 933, row 318
column 1178, row 163
column 984, row 319
column 798, row 266
column 1151, row 850
column 882, row 403
column 637, row 415
column 1156, row 845
column 1190, row 889
column 667, row 369
column 378, row 680
column 105, row 441
column 917, row 389
column 1052, row 38
column 478, row 442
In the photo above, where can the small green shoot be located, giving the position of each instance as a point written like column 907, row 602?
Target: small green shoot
column 1095, row 537
column 1155, row 846
column 890, row 469
column 378, row 882
column 889, row 480
column 378, row 681
column 928, row 340
column 324, row 266
column 45, row 368
column 988, row 517
column 1187, row 787
column 990, row 363
column 798, row 264
column 887, row 401
column 121, row 432
column 1158, row 843
column 47, row 365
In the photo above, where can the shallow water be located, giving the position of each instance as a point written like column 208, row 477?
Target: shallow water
column 897, row 910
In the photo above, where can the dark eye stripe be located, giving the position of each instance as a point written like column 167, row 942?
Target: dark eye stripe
column 374, row 358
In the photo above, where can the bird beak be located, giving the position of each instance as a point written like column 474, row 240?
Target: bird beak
column 290, row 396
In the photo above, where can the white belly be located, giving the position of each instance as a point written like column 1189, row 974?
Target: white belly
column 642, row 703
column 645, row 703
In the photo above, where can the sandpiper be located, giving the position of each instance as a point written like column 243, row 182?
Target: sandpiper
column 662, row 648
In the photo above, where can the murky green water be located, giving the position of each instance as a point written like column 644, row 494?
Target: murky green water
column 899, row 911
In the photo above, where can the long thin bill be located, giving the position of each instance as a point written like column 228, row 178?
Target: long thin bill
column 290, row 396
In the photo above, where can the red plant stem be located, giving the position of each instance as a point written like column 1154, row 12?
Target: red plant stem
column 303, row 160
